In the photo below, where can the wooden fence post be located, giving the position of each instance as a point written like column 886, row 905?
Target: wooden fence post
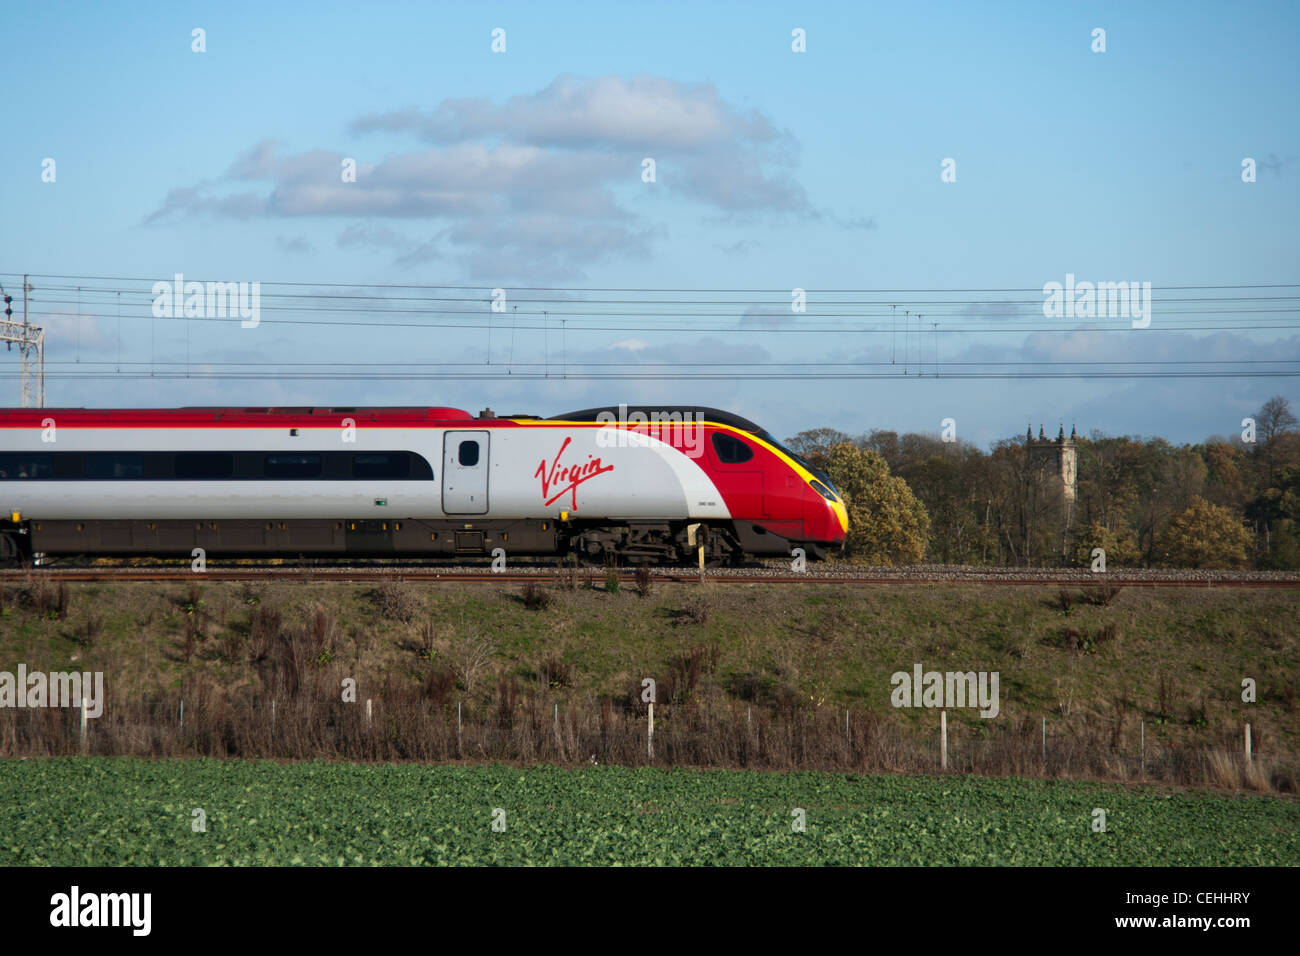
column 559, row 741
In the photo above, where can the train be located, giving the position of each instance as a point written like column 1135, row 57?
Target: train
column 629, row 484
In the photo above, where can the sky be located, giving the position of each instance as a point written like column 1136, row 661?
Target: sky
column 908, row 153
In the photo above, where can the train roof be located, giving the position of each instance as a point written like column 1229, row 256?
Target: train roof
column 695, row 413
column 199, row 415
column 303, row 416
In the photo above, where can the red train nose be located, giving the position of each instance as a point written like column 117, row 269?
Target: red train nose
column 825, row 519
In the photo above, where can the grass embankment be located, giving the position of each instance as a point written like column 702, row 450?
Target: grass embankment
column 747, row 675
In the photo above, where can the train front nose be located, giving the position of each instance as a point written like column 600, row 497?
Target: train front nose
column 827, row 516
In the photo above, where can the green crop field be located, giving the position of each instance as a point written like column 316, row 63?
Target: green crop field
column 121, row 811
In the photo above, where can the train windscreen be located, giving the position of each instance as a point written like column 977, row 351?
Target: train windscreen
column 816, row 472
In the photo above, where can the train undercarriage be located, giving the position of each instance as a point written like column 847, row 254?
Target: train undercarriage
column 633, row 542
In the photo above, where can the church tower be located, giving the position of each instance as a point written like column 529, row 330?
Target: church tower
column 1061, row 456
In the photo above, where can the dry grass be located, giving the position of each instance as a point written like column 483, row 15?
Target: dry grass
column 753, row 675
column 518, row 724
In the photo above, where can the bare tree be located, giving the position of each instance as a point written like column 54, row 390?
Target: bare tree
column 470, row 656
column 1274, row 418
column 1274, row 424
column 816, row 444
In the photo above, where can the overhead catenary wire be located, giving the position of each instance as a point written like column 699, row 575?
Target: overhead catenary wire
column 397, row 285
column 291, row 305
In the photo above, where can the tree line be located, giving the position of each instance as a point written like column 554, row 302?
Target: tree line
column 1228, row 502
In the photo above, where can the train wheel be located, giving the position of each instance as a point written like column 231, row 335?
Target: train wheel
column 11, row 551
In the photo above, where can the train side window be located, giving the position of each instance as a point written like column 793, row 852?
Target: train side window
column 730, row 450
column 467, row 454
column 204, row 465
column 292, row 466
column 24, row 466
column 381, row 466
column 114, row 466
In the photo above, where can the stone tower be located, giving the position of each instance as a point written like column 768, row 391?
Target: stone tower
column 1062, row 457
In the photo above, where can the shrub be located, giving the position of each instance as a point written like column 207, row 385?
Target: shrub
column 91, row 628
column 536, row 597
column 643, row 581
column 395, row 601
column 695, row 611
column 428, row 633
column 1101, row 595
column 507, row 701
column 556, row 673
column 193, row 600
column 232, row 647
column 684, row 670
column 1164, row 691
column 192, row 637
column 264, row 626
column 439, row 684
column 320, row 628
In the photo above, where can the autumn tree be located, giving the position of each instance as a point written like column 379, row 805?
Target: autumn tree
column 944, row 482
column 1027, row 504
column 1119, row 543
column 1224, row 481
column 1206, row 535
column 815, row 445
column 887, row 524
column 1278, row 446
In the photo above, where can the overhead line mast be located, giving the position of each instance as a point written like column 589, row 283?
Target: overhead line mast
column 30, row 340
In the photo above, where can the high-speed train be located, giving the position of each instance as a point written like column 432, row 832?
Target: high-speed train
column 634, row 484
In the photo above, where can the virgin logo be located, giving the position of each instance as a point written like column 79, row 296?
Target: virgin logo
column 559, row 479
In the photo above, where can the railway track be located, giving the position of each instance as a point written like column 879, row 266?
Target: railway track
column 469, row 575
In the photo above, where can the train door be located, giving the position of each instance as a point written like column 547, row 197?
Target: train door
column 738, row 478
column 465, row 472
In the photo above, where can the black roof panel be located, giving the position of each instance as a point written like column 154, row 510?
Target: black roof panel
column 702, row 411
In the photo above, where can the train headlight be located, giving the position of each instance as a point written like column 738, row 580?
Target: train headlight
column 824, row 491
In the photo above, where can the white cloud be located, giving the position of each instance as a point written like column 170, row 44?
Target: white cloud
column 537, row 186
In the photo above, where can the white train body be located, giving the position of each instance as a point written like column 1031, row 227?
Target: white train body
column 398, row 481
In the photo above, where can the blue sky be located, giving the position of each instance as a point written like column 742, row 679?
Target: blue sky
column 775, row 170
